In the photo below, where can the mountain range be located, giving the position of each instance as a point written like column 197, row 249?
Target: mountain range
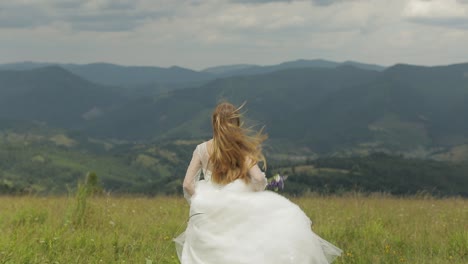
column 315, row 107
column 135, row 76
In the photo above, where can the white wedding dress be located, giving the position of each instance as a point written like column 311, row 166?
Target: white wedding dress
column 240, row 223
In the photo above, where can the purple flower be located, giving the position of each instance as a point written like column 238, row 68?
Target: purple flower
column 276, row 182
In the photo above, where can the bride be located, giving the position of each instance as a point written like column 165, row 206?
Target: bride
column 232, row 219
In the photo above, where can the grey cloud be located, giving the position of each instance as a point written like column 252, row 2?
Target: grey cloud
column 111, row 21
column 452, row 19
column 77, row 4
column 122, row 5
column 328, row 2
column 64, row 4
column 260, row 1
column 115, row 16
column 457, row 23
column 316, row 2
column 22, row 17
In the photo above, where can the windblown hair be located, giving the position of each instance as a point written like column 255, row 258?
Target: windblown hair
column 235, row 149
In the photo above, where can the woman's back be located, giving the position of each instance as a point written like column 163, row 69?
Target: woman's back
column 257, row 180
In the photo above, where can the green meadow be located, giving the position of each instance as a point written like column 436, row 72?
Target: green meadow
column 108, row 229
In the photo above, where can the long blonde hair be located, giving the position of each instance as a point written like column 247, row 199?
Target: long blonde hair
column 235, row 149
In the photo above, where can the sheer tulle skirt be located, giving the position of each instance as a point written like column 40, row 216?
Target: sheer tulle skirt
column 235, row 225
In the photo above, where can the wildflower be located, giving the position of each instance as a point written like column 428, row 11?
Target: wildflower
column 276, row 182
column 387, row 249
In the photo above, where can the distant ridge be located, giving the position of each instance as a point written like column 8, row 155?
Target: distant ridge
column 365, row 66
column 175, row 77
column 111, row 74
column 117, row 75
column 25, row 65
column 248, row 69
column 228, row 68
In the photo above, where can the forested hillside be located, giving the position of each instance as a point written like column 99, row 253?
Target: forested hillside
column 46, row 161
column 326, row 110
column 54, row 96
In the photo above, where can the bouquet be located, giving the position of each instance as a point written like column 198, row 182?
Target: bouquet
column 276, row 182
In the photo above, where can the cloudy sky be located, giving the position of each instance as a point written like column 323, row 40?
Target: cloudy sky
column 203, row 33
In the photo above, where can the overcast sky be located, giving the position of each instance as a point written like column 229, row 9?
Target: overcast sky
column 202, row 33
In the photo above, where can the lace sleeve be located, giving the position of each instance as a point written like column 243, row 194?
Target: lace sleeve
column 259, row 181
column 192, row 175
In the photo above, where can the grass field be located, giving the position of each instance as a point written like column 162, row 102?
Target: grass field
column 376, row 229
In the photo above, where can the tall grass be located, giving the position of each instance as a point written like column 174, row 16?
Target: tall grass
column 140, row 230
